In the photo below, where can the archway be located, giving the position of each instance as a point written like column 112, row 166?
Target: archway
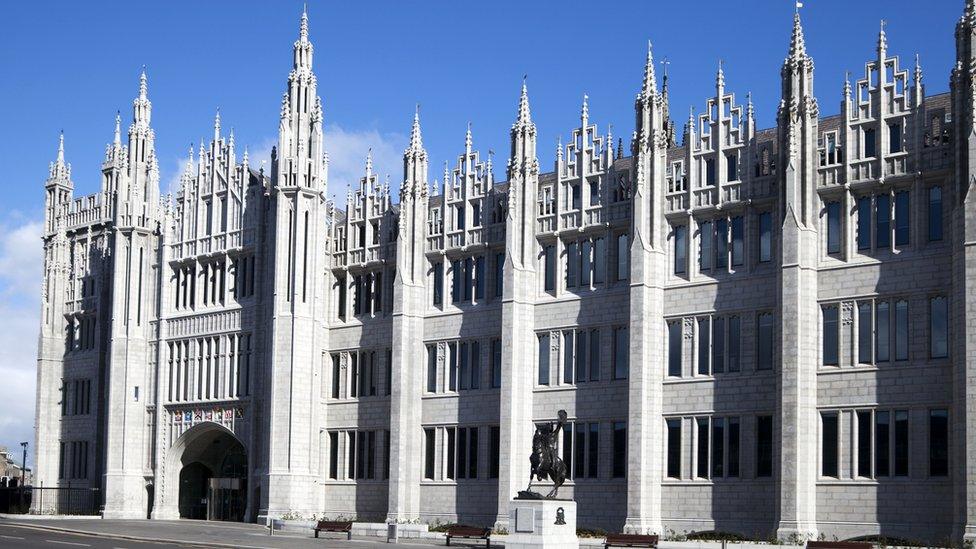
column 208, row 469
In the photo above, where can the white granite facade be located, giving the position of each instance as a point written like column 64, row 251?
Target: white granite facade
column 764, row 332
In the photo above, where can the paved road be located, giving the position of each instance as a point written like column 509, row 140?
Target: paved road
column 24, row 535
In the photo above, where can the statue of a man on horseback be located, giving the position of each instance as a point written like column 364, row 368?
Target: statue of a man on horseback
column 545, row 459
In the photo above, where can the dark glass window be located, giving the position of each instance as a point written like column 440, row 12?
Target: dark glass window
column 938, row 443
column 732, row 167
column 864, row 223
column 864, row 426
column 621, row 356
column 619, row 449
column 705, row 246
column 333, row 455
column 935, row 214
column 738, row 242
column 544, row 359
column 733, row 447
column 593, row 459
column 870, row 143
column 432, row 368
column 881, row 326
column 901, row 443
column 733, row 344
column 831, row 341
column 902, row 218
column 882, row 215
column 833, row 227
column 882, row 434
column 894, row 138
column 765, row 236
column 704, row 333
column 938, row 327
column 495, row 445
column 865, row 331
column 496, row 363
column 764, row 446
column 718, row 447
column 765, row 343
column 550, row 268
column 721, row 243
column 718, row 345
column 674, row 448
column 702, row 469
column 680, row 248
column 901, row 330
column 674, row 348
column 829, row 445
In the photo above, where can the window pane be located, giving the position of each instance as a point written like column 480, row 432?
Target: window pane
column 623, row 253
column 833, row 228
column 938, row 327
column 438, row 276
column 764, row 446
column 902, row 218
column 579, row 450
column 718, row 447
column 864, row 332
column 674, row 448
column 586, row 249
column 463, row 365
column 733, row 344
column 581, row 354
column 721, row 243
column 550, row 268
column 621, row 353
column 431, row 368
column 882, row 433
column 901, row 443
column 680, row 248
column 704, row 333
column 733, row 447
column 765, row 236
column 572, row 264
column 738, row 247
column 894, row 138
column 496, row 367
column 475, row 365
column 333, row 455
column 882, row 323
column 864, row 426
column 569, row 341
column 499, row 275
column 495, row 446
column 451, row 447
column 901, row 330
column 429, row 453
column 718, row 345
column 568, row 449
column 479, row 277
column 452, row 366
column 455, row 281
column 828, row 445
column 593, row 465
column 938, row 443
column 864, row 223
column 599, row 261
column 883, row 220
column 702, row 470
column 544, row 359
column 594, row 355
column 674, row 348
column 732, row 168
column 765, row 359
column 619, row 449
column 935, row 214
column 830, row 336
column 870, row 144
column 705, row 246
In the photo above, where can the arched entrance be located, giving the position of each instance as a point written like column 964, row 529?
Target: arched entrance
column 211, row 466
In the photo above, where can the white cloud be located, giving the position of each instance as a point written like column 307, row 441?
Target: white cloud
column 20, row 291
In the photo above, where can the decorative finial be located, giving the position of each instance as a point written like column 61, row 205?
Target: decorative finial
column 524, row 115
column 650, row 80
column 585, row 112
column 918, row 70
column 217, row 124
column 467, row 139
column 369, row 162
column 143, row 85
column 882, row 38
column 117, row 140
column 416, row 141
column 303, row 26
column 559, row 148
column 720, row 77
column 60, row 159
column 798, row 48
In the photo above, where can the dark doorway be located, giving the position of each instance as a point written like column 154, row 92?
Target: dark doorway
column 150, row 496
column 193, row 490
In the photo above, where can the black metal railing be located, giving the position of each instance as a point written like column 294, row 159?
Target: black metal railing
column 50, row 500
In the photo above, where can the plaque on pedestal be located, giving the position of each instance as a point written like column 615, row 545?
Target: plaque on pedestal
column 542, row 524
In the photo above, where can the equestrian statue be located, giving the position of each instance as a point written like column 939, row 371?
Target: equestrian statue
column 545, row 460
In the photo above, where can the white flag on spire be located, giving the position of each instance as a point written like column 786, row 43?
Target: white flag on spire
column 799, row 4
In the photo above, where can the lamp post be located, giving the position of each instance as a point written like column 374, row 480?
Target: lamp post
column 23, row 464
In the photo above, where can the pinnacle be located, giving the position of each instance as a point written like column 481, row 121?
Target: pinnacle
column 303, row 25
column 969, row 13
column 369, row 162
column 524, row 115
column 416, row 141
column 585, row 111
column 60, row 159
column 117, row 140
column 798, row 48
column 143, row 85
column 882, row 38
column 467, row 139
column 720, row 77
column 650, row 78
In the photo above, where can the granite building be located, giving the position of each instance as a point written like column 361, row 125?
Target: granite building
column 767, row 332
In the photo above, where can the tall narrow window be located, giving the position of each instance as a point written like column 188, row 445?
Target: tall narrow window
column 336, row 370
column 496, row 363
column 621, row 353
column 333, row 455
column 438, row 275
column 572, row 264
column 451, row 449
column 544, row 359
column 882, row 434
column 674, row 448
column 882, row 324
column 828, row 444
column 674, row 348
column 938, row 327
column 894, row 138
column 764, row 446
column 734, row 344
column 599, row 261
column 550, row 268
column 870, row 143
column 765, row 236
column 586, row 267
column 901, row 443
column 718, row 345
column 429, row 456
column 938, row 443
column 902, row 218
column 569, row 354
column 455, row 281
column 732, row 167
column 738, row 242
column 831, row 341
column 468, row 278
column 702, row 454
column 593, row 459
column 475, row 364
column 594, row 355
column 935, row 214
column 680, row 248
column 623, row 253
column 452, row 366
column 864, row 426
column 901, row 330
column 721, row 243
column 710, row 171
column 432, row 368
column 765, row 342
column 718, row 447
column 464, row 368
column 733, row 448
column 494, row 451
column 833, row 227
column 864, row 223
column 704, row 346
column 882, row 220
column 619, row 449
column 705, row 252
column 864, row 332
column 499, row 275
column 581, row 354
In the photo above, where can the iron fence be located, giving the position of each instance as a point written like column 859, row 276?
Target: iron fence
column 61, row 500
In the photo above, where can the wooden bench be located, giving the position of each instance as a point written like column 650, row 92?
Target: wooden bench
column 839, row 545
column 469, row 532
column 334, row 526
column 629, row 540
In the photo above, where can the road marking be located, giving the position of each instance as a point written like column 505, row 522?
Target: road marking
column 10, row 537
column 68, row 543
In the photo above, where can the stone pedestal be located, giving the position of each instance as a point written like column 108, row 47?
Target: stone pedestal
column 541, row 524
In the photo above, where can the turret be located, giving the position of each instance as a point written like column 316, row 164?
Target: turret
column 798, row 116
column 58, row 187
column 523, row 175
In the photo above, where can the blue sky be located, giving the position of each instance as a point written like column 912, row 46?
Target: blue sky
column 72, row 65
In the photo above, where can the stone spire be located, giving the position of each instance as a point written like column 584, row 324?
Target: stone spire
column 369, row 163
column 303, row 46
column 585, row 113
column 649, row 89
column 414, row 162
column 918, row 70
column 416, row 141
column 798, row 49
column 217, row 125
column 524, row 115
column 467, row 140
column 720, row 77
column 847, row 85
column 303, row 25
column 882, row 41
column 969, row 13
column 60, row 171
column 117, row 139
